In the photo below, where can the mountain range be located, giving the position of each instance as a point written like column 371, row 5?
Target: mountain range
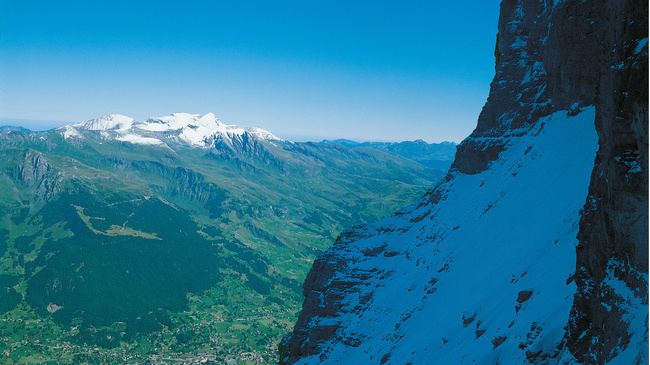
column 433, row 155
column 179, row 237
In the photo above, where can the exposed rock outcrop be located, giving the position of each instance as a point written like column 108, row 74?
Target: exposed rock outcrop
column 242, row 147
column 612, row 257
column 35, row 172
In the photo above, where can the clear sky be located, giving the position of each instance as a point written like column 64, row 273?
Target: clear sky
column 366, row 70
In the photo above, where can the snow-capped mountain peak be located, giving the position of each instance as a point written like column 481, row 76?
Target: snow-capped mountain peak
column 178, row 121
column 262, row 134
column 117, row 122
column 190, row 129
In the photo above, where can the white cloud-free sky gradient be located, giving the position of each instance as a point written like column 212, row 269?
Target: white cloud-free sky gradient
column 366, row 70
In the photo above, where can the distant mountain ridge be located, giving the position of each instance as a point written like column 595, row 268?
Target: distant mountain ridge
column 192, row 129
column 206, row 131
column 433, row 155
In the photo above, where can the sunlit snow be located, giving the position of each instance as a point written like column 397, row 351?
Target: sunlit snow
column 483, row 275
column 192, row 129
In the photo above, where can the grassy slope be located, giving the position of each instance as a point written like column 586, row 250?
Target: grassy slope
column 145, row 251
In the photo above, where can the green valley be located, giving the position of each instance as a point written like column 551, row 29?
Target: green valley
column 114, row 251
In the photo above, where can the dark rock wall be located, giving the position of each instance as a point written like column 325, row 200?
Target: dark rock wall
column 581, row 53
column 613, row 237
column 328, row 283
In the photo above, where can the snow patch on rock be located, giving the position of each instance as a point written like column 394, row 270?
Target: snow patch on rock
column 136, row 139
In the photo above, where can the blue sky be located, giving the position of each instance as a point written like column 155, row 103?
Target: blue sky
column 367, row 70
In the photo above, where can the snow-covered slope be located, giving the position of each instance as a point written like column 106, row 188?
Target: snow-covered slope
column 189, row 129
column 415, row 287
column 534, row 248
column 113, row 122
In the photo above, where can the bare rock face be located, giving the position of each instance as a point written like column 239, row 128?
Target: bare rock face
column 612, row 256
column 35, row 172
column 534, row 247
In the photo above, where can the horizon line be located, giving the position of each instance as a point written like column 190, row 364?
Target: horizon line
column 55, row 124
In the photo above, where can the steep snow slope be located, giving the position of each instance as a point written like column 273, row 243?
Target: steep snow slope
column 424, row 293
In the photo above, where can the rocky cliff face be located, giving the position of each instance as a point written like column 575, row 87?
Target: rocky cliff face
column 529, row 251
column 610, row 306
column 34, row 172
